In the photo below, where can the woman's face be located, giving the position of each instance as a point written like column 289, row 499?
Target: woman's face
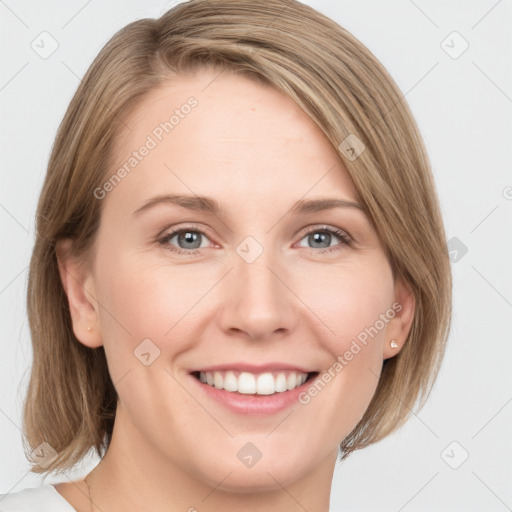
column 269, row 287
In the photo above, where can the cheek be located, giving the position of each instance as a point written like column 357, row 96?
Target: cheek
column 352, row 303
column 350, row 299
column 141, row 299
column 163, row 301
column 172, row 304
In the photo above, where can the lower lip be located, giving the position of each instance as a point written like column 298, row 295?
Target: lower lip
column 253, row 404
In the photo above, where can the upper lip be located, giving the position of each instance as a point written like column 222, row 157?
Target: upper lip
column 253, row 368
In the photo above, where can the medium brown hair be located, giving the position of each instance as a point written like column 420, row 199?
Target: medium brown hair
column 71, row 400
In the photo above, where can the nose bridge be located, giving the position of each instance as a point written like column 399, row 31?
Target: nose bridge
column 257, row 281
column 259, row 302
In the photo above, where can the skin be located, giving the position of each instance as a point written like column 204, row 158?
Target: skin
column 256, row 152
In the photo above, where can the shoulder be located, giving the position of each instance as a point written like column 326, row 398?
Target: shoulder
column 44, row 498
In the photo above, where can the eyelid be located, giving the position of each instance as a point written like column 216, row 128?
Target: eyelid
column 207, row 231
column 173, row 228
column 326, row 227
column 166, row 235
column 345, row 238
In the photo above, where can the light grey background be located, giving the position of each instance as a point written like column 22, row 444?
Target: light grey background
column 463, row 106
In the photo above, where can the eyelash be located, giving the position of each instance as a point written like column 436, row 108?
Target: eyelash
column 345, row 239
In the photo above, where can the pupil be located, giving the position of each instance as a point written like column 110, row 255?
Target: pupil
column 190, row 237
column 320, row 238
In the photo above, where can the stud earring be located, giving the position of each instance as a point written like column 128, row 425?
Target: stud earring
column 393, row 344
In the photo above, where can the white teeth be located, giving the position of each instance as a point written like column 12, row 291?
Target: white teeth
column 265, row 384
column 230, row 382
column 281, row 383
column 246, row 383
column 217, row 380
column 291, row 381
column 249, row 384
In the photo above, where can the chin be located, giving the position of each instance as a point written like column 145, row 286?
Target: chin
column 260, row 478
column 272, row 470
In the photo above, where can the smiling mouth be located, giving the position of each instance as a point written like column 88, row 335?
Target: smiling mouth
column 247, row 383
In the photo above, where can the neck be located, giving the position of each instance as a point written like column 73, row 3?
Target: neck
column 134, row 475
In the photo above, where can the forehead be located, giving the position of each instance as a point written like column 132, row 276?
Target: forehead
column 215, row 134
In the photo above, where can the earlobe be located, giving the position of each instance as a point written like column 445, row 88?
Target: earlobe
column 400, row 326
column 78, row 284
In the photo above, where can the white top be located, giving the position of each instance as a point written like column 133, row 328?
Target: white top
column 44, row 498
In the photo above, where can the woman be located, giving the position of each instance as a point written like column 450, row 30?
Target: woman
column 306, row 318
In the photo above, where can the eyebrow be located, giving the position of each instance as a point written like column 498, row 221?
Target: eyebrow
column 208, row 205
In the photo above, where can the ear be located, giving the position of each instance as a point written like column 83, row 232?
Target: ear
column 78, row 284
column 400, row 325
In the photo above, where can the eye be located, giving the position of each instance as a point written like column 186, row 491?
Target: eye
column 321, row 238
column 188, row 241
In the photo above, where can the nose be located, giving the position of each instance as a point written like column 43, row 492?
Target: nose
column 258, row 301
